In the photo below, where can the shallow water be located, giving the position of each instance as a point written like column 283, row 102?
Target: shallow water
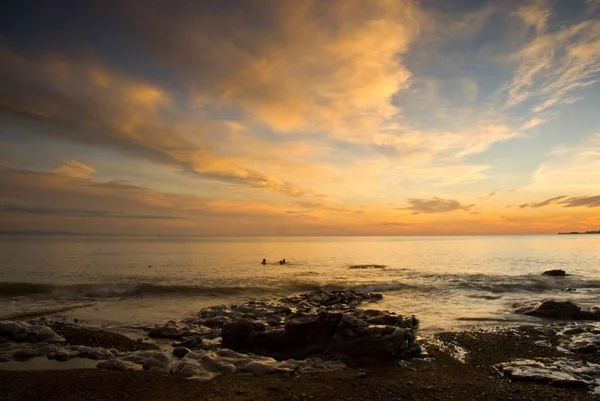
column 448, row 282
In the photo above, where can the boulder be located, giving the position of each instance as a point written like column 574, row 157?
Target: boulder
column 328, row 334
column 180, row 352
column 241, row 334
column 551, row 309
column 555, row 273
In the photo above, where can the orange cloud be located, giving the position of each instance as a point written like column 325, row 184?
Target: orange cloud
column 74, row 168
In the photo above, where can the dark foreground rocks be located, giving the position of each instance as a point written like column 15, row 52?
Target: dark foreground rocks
column 333, row 335
column 442, row 378
column 326, row 324
column 565, row 310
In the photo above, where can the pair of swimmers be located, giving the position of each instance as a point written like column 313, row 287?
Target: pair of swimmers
column 281, row 262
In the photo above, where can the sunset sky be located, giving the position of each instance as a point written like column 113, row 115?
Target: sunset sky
column 300, row 117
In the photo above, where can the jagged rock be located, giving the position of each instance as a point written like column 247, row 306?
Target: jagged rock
column 551, row 309
column 322, row 334
column 554, row 273
column 558, row 372
column 241, row 334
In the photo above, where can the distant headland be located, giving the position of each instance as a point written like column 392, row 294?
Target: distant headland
column 582, row 232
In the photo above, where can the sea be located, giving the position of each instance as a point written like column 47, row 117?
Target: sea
column 448, row 282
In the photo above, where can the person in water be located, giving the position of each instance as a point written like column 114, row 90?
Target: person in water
column 282, row 262
column 264, row 262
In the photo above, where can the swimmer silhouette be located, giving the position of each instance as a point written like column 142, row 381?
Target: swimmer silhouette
column 264, row 262
column 281, row 262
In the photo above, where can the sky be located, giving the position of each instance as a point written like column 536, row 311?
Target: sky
column 303, row 117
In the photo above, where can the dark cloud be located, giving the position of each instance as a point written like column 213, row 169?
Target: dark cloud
column 582, row 201
column 37, row 95
column 543, row 203
column 435, row 205
column 579, row 201
column 394, row 224
column 104, row 214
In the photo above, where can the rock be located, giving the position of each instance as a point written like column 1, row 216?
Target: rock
column 190, row 342
column 29, row 333
column 560, row 372
column 555, row 273
column 174, row 333
column 241, row 334
column 551, row 309
column 180, row 352
column 117, row 364
column 25, row 353
column 327, row 334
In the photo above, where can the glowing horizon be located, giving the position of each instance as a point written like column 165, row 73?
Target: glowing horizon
column 387, row 117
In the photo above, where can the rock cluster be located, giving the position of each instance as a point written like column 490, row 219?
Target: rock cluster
column 205, row 365
column 580, row 338
column 327, row 324
column 552, row 309
column 28, row 333
column 311, row 332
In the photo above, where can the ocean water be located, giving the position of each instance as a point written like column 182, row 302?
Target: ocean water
column 447, row 281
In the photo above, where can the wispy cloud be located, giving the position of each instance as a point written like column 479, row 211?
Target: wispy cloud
column 582, row 201
column 83, row 213
column 555, row 65
column 435, row 205
column 564, row 201
column 574, row 168
column 74, row 168
column 547, row 202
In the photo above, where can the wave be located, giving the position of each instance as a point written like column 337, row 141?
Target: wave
column 367, row 266
column 470, row 283
column 45, row 311
column 10, row 289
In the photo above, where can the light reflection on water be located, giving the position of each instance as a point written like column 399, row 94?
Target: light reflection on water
column 445, row 281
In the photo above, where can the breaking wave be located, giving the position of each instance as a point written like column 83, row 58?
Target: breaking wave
column 473, row 284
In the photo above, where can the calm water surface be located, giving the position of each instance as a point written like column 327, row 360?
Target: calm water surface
column 447, row 282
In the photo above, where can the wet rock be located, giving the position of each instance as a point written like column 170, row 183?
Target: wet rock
column 29, row 333
column 191, row 342
column 555, row 273
column 171, row 330
column 560, row 372
column 323, row 334
column 180, row 352
column 551, row 309
column 118, row 364
column 25, row 353
column 241, row 334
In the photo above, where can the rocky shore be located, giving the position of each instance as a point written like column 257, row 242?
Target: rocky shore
column 320, row 345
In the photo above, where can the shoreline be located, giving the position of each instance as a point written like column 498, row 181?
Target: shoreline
column 465, row 364
column 442, row 378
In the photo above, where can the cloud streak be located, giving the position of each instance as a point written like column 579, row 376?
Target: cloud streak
column 116, row 113
column 435, row 205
